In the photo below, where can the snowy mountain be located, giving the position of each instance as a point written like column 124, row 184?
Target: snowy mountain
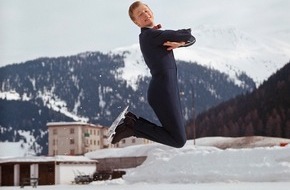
column 225, row 49
column 93, row 87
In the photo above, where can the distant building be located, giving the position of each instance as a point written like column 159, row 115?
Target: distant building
column 75, row 138
column 78, row 138
column 47, row 170
column 131, row 141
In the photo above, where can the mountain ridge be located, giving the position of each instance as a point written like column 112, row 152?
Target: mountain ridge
column 262, row 112
column 89, row 87
column 223, row 48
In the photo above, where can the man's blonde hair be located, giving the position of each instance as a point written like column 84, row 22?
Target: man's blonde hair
column 133, row 7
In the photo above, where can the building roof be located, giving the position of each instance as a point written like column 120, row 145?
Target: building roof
column 58, row 159
column 57, row 124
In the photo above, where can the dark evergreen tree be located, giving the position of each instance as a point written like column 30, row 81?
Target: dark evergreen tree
column 265, row 111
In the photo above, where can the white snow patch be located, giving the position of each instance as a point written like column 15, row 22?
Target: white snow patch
column 55, row 103
column 223, row 48
column 135, row 66
column 13, row 149
column 10, row 95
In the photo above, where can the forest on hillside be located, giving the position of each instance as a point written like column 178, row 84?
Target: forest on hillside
column 263, row 112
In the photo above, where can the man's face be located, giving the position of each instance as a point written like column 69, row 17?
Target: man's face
column 143, row 16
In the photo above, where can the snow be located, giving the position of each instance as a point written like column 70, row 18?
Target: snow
column 207, row 164
column 134, row 64
column 10, row 95
column 55, row 103
column 239, row 163
column 70, row 123
column 12, row 149
column 49, row 99
column 214, row 161
column 118, row 185
column 246, row 159
column 224, row 48
column 60, row 158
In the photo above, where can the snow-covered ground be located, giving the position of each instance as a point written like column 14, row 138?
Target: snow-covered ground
column 240, row 163
column 120, row 185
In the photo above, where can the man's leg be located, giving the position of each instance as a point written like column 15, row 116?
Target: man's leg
column 151, row 131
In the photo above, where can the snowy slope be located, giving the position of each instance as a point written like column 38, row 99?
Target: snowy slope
column 264, row 166
column 252, row 159
column 217, row 142
column 135, row 66
column 233, row 51
column 223, row 48
column 49, row 99
column 207, row 164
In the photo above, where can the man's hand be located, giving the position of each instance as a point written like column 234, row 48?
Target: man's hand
column 173, row 45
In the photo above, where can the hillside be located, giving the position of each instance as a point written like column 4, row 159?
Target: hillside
column 225, row 49
column 90, row 87
column 264, row 112
column 25, row 122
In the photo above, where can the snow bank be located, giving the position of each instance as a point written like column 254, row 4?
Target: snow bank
column 212, row 159
column 130, row 151
column 208, row 164
column 219, row 142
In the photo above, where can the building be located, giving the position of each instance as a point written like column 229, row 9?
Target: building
column 75, row 138
column 47, row 170
column 131, row 141
column 78, row 138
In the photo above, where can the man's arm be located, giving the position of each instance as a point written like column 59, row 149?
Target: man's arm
column 191, row 41
column 173, row 45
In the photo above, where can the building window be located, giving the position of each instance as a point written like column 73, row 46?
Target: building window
column 72, row 130
column 72, row 141
column 123, row 141
column 55, row 131
column 94, row 131
column 95, row 142
column 72, row 151
column 133, row 140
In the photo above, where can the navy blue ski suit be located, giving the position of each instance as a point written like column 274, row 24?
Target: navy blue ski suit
column 163, row 92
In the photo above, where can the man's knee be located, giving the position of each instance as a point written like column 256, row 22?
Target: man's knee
column 180, row 142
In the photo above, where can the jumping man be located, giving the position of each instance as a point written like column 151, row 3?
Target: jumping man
column 163, row 94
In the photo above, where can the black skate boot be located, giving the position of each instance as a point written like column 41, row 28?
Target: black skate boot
column 125, row 128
